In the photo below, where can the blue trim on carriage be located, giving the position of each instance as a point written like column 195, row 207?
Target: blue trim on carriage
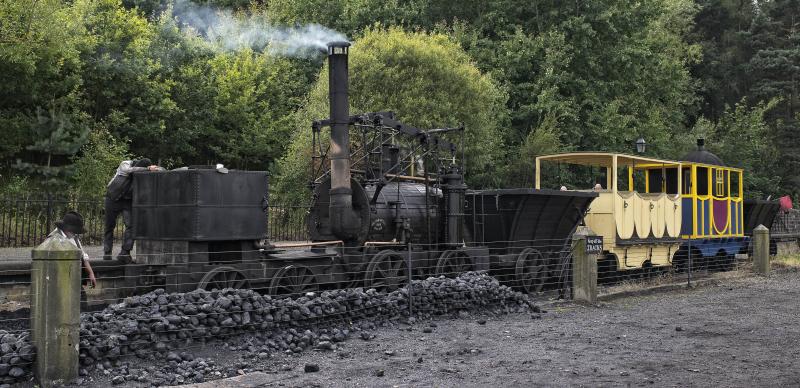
column 686, row 216
column 706, row 206
column 709, row 247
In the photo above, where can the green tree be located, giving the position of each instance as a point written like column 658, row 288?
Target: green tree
column 742, row 138
column 428, row 81
column 125, row 84
column 57, row 139
column 237, row 108
column 97, row 163
column 774, row 72
column 751, row 51
column 599, row 74
column 39, row 68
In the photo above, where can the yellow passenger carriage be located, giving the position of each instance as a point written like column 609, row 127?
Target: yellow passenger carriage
column 683, row 210
column 639, row 229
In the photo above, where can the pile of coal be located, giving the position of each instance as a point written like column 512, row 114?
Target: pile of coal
column 16, row 356
column 161, row 325
column 178, row 368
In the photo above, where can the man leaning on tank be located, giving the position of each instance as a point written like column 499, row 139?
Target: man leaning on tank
column 119, row 200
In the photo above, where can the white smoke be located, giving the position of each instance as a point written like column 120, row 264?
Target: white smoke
column 230, row 32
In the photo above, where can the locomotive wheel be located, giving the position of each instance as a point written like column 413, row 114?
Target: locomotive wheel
column 530, row 272
column 293, row 280
column 223, row 277
column 386, row 271
column 453, row 263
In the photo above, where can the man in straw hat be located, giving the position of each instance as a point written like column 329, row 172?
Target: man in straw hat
column 71, row 227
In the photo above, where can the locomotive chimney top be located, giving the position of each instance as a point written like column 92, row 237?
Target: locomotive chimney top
column 339, row 47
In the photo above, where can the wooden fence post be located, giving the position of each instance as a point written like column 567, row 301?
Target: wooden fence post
column 55, row 310
column 584, row 269
column 761, row 250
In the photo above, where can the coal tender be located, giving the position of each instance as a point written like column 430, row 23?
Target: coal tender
column 388, row 204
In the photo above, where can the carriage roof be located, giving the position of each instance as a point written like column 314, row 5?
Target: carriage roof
column 606, row 159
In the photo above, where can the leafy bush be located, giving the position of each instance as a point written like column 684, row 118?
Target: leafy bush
column 428, row 81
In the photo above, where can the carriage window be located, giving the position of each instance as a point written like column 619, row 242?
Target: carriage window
column 672, row 181
column 639, row 181
column 687, row 180
column 654, row 180
column 720, row 183
column 735, row 179
column 702, row 181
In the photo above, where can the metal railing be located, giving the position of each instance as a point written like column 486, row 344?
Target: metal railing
column 26, row 221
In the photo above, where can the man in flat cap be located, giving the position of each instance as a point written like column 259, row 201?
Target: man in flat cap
column 119, row 200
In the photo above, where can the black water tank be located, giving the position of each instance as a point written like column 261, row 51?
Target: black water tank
column 200, row 205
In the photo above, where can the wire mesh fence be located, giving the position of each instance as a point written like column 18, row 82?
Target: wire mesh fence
column 787, row 222
column 683, row 263
column 302, row 297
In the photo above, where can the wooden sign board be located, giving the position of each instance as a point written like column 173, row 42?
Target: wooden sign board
column 594, row 244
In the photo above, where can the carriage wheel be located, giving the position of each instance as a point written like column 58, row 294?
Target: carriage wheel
column 722, row 262
column 680, row 261
column 223, row 277
column 647, row 270
column 530, row 272
column 293, row 280
column 386, row 271
column 453, row 263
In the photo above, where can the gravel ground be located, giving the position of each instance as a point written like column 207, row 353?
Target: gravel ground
column 742, row 333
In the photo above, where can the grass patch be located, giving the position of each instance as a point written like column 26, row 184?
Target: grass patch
column 639, row 283
column 786, row 261
column 667, row 277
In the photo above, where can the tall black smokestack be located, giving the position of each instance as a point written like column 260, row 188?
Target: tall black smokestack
column 344, row 222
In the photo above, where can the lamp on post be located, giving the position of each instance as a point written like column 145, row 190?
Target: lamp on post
column 641, row 145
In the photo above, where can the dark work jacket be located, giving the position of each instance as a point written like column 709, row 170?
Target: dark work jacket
column 120, row 186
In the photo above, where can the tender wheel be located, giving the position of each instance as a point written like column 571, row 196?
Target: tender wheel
column 224, row 277
column 386, row 271
column 293, row 280
column 453, row 263
column 530, row 272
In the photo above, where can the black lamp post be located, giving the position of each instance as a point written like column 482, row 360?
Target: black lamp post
column 641, row 145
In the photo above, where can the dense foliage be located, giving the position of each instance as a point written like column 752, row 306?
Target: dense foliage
column 88, row 82
column 388, row 70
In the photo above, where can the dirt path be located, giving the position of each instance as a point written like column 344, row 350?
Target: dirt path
column 742, row 333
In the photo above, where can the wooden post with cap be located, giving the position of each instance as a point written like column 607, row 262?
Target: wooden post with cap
column 584, row 268
column 55, row 310
column 761, row 250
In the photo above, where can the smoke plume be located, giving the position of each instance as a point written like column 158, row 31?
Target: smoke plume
column 229, row 32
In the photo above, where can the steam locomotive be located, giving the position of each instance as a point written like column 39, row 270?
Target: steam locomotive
column 388, row 205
